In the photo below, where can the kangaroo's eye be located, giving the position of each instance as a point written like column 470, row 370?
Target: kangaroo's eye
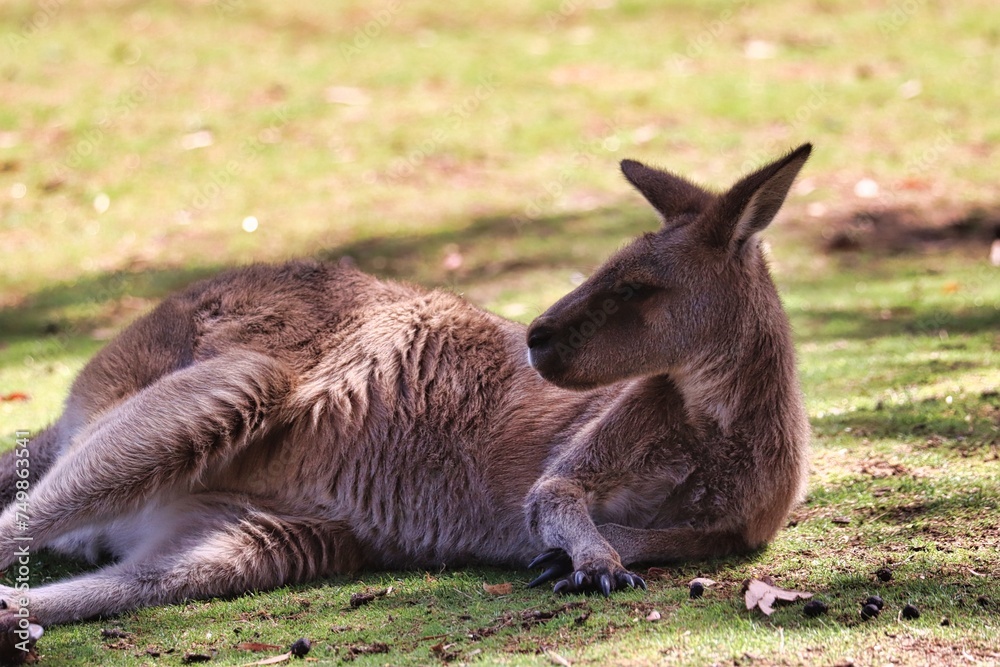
column 644, row 291
column 635, row 290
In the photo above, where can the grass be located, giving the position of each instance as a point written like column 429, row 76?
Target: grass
column 491, row 134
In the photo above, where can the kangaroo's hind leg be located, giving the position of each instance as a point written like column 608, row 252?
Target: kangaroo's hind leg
column 163, row 437
column 212, row 545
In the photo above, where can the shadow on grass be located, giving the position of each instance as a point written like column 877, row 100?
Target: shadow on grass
column 866, row 324
column 969, row 423
column 492, row 246
column 899, row 230
column 485, row 248
column 74, row 308
column 489, row 246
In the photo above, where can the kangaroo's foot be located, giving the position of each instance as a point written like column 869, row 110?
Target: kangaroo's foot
column 604, row 575
column 18, row 635
column 580, row 557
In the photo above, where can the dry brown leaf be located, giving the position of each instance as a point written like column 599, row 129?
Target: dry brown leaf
column 499, row 589
column 359, row 599
column 763, row 595
column 257, row 647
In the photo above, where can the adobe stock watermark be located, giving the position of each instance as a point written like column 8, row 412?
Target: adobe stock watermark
column 249, row 150
column 817, row 99
column 229, row 7
column 699, row 43
column 595, row 319
column 585, row 154
column 20, row 570
column 917, row 165
column 108, row 117
column 899, row 15
column 366, row 34
column 555, row 18
column 43, row 16
column 404, row 167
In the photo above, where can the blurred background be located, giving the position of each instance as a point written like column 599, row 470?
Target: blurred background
column 476, row 146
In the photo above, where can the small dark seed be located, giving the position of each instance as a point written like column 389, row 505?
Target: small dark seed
column 875, row 600
column 814, row 608
column 910, row 612
column 697, row 590
column 884, row 574
column 869, row 611
column 300, row 648
column 945, row 622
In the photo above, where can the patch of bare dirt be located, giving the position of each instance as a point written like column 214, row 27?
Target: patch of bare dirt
column 932, row 651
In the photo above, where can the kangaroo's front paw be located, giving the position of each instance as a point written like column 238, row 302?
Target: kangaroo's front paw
column 604, row 575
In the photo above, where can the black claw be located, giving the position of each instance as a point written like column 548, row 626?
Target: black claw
column 545, row 557
column 549, row 574
column 556, row 563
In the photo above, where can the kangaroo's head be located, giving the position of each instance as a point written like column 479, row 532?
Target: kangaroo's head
column 695, row 288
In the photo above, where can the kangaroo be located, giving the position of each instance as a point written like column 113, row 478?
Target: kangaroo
column 281, row 424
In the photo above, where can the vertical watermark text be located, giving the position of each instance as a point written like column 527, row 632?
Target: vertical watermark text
column 22, row 566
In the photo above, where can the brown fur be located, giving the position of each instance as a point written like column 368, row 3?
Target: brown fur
column 278, row 424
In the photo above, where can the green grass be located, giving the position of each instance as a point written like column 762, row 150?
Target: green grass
column 493, row 133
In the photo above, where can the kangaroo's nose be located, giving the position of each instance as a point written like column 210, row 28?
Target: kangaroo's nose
column 539, row 335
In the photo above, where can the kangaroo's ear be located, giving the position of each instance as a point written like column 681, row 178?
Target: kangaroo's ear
column 751, row 204
column 669, row 194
